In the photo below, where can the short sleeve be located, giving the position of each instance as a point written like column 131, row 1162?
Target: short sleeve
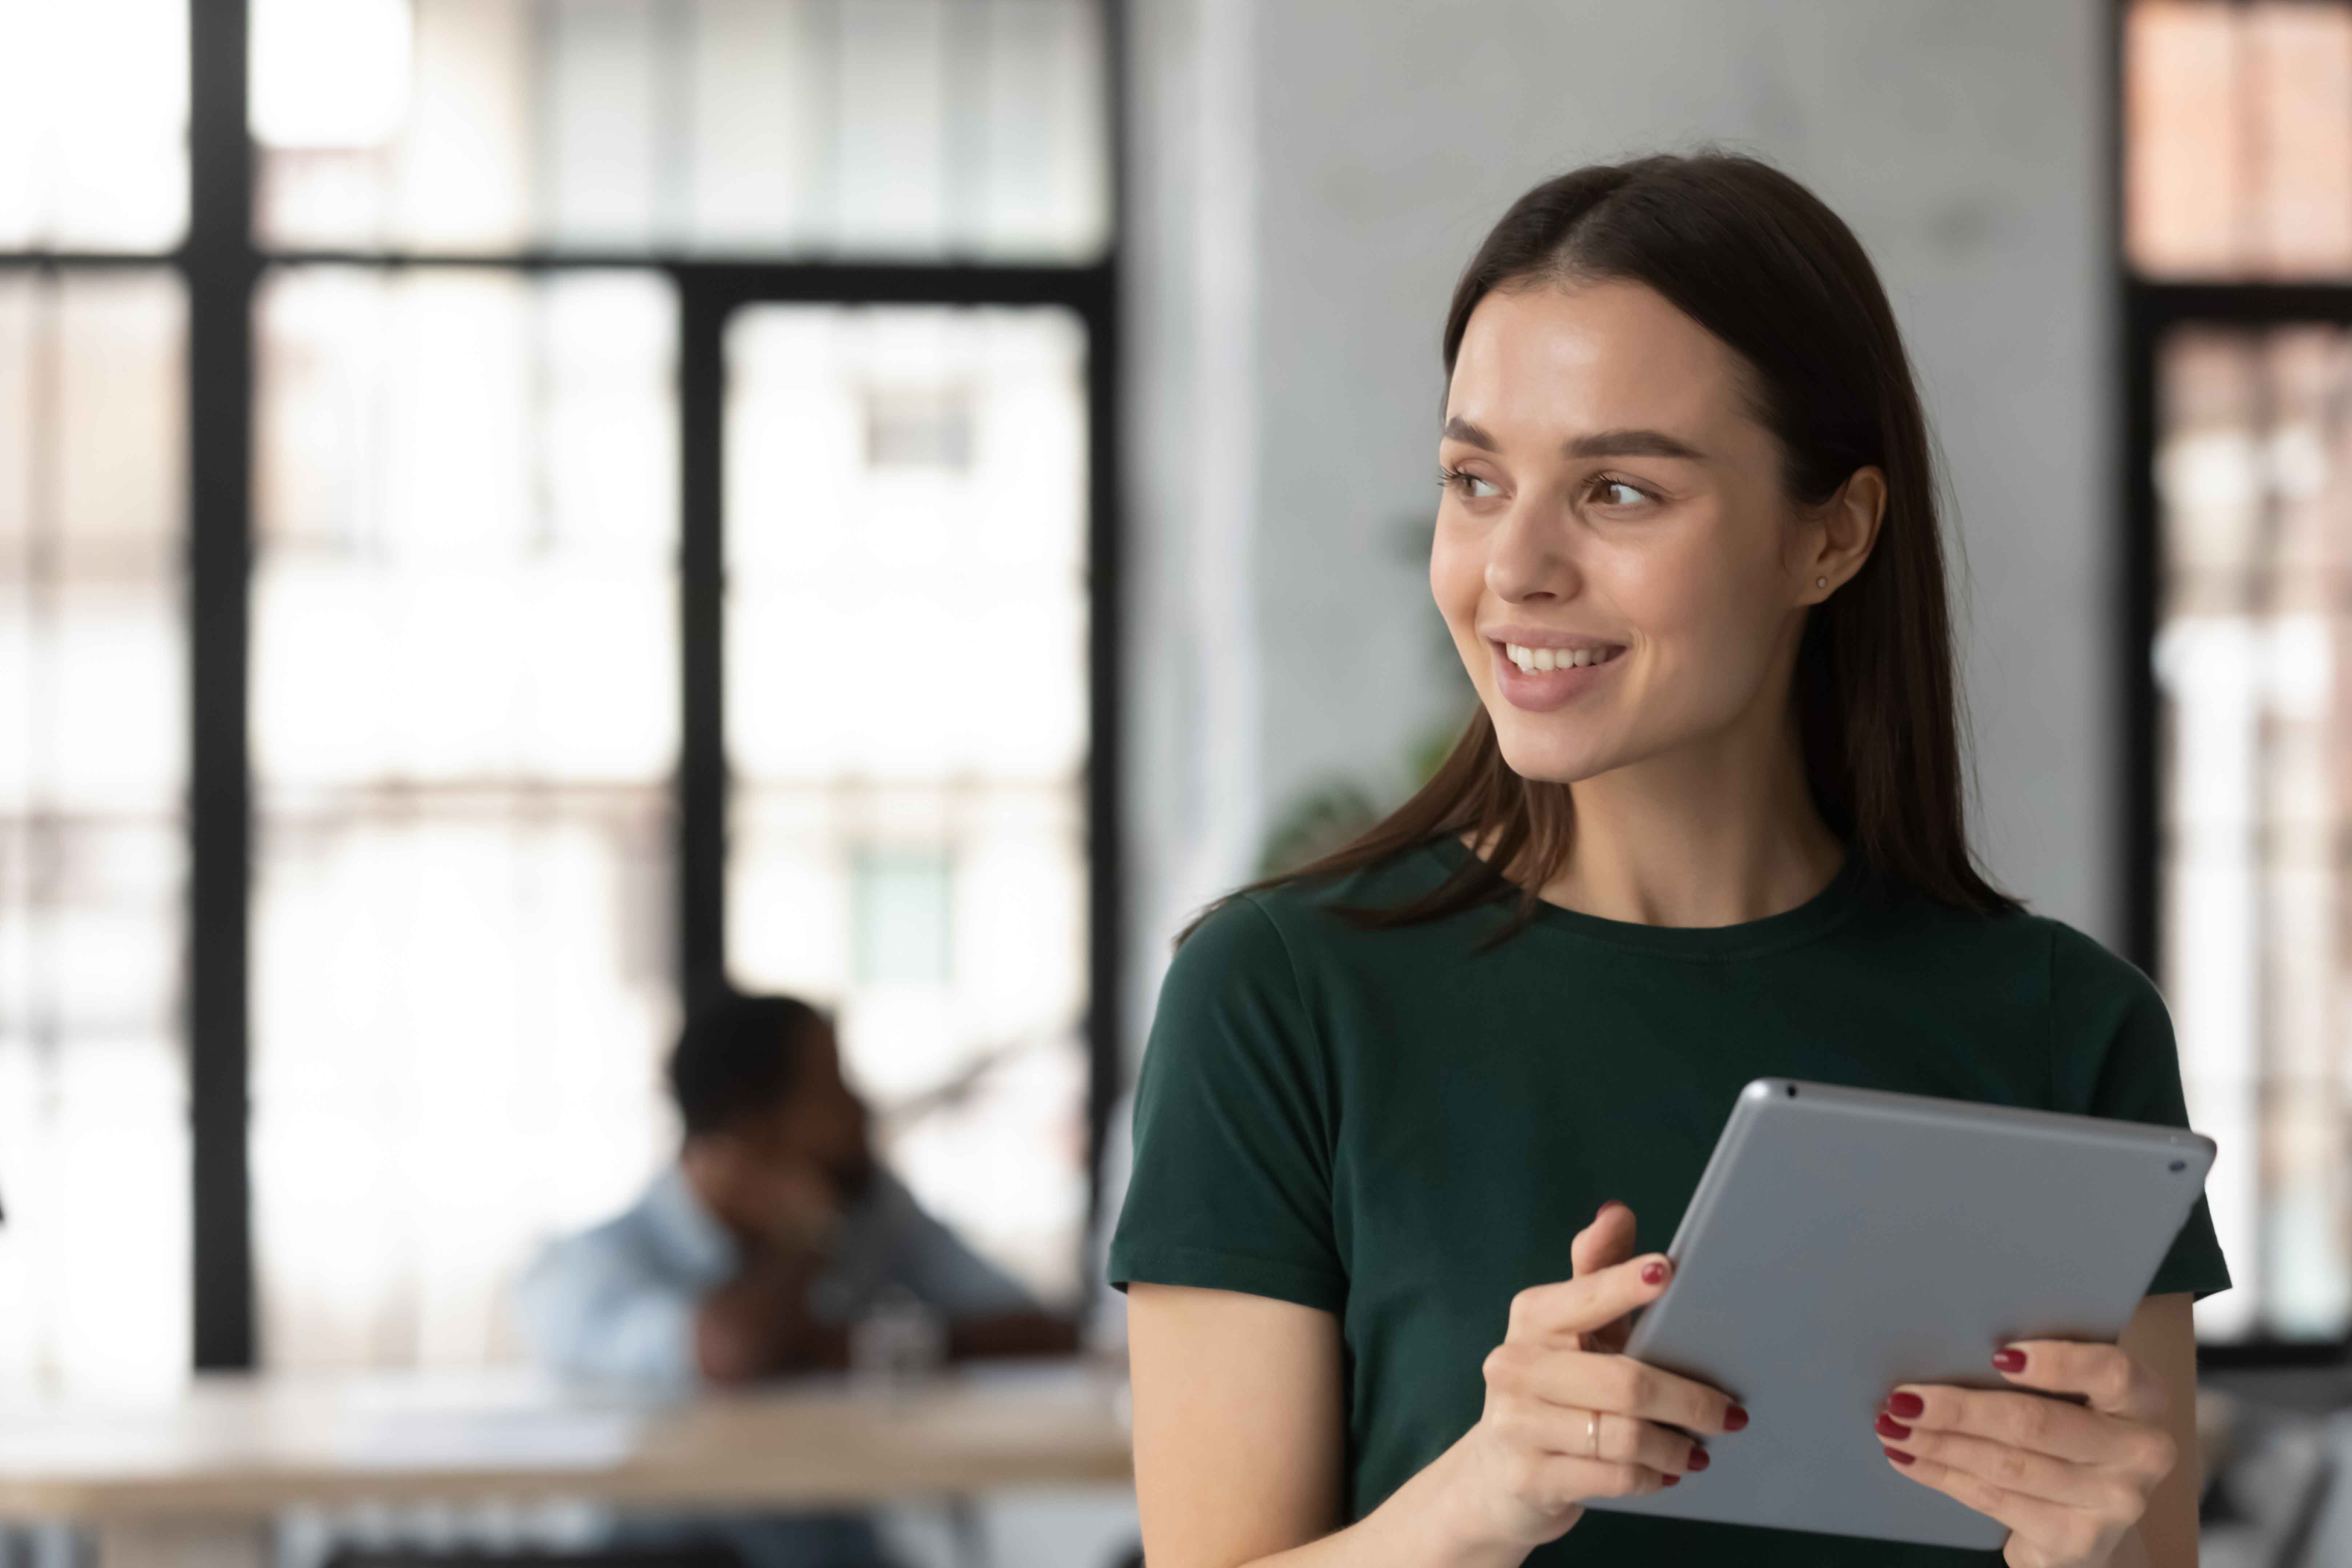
column 1233, row 1127
column 2115, row 1055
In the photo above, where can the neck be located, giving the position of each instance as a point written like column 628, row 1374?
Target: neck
column 1710, row 835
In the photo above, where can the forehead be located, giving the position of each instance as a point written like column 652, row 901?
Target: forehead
column 1551, row 361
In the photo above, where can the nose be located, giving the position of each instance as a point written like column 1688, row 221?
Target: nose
column 1529, row 557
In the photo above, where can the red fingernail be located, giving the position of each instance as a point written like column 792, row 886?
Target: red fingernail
column 1699, row 1460
column 1890, row 1427
column 1907, row 1406
column 1654, row 1273
column 1671, row 1480
column 1897, row 1455
column 1734, row 1419
column 2009, row 1361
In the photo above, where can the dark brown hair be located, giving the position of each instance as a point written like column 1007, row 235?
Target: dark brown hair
column 1758, row 260
column 736, row 1056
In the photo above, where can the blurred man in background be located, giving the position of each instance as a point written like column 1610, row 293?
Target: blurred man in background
column 773, row 1235
column 761, row 1252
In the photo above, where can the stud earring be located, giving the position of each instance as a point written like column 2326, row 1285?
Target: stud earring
column 1820, row 581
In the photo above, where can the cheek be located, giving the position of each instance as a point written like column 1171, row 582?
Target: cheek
column 1707, row 595
column 1457, row 578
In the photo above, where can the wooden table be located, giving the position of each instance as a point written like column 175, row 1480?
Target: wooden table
column 194, row 1480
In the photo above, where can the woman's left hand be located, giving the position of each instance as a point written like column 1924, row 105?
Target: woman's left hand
column 2069, row 1481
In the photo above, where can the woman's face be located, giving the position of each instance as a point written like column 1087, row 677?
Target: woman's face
column 1615, row 556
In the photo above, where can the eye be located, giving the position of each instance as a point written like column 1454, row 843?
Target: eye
column 1619, row 493
column 1469, row 485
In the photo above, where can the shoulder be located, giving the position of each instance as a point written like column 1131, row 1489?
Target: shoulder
column 2111, row 1034
column 1294, row 928
column 2089, row 988
column 2083, row 970
column 2039, row 954
column 1247, row 998
column 2108, row 1033
column 666, row 1235
column 1233, row 988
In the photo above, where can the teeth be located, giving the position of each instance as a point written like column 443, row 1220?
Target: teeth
column 1532, row 660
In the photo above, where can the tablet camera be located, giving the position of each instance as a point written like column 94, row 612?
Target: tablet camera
column 2177, row 1165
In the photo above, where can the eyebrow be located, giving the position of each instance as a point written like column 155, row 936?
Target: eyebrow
column 1605, row 444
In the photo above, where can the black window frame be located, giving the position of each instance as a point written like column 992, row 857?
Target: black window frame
column 222, row 264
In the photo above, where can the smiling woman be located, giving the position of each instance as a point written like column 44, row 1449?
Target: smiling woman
column 1726, row 356
column 1401, row 1108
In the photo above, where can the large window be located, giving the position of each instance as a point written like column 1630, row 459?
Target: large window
column 2237, row 143
column 906, row 492
column 659, row 539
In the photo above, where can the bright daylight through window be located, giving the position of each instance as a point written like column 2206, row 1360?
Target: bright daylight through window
column 2238, row 123
column 485, row 229
column 909, row 835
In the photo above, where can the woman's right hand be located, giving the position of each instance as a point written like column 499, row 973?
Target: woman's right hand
column 1568, row 1416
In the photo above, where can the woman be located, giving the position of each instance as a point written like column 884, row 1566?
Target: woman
column 1402, row 1110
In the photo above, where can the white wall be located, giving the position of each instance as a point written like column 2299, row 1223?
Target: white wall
column 1308, row 175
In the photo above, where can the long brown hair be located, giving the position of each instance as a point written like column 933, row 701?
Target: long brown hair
column 1758, row 260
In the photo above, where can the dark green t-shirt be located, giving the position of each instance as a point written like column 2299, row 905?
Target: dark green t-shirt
column 1400, row 1130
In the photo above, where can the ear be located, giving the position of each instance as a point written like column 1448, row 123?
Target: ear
column 1840, row 535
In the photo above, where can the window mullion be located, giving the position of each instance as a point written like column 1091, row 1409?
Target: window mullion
column 221, row 268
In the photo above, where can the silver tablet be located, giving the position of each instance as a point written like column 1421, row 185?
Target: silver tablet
column 1842, row 1241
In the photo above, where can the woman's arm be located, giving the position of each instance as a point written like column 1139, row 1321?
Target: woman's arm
column 1239, row 1444
column 2162, row 1337
column 1240, row 1423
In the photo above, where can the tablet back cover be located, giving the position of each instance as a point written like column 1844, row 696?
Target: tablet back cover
column 1842, row 1241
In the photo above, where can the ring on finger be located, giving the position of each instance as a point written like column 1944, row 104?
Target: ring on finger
column 1592, row 1434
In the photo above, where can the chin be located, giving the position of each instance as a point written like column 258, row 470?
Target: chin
column 1550, row 758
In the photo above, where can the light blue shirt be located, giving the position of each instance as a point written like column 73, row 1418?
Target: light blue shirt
column 616, row 1302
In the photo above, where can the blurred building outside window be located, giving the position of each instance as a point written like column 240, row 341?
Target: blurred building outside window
column 915, row 130
column 480, row 220
column 93, row 765
column 465, row 718
column 93, row 125
column 2238, row 175
column 94, row 1264
column 906, row 508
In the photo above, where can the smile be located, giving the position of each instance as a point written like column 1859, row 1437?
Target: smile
column 1532, row 660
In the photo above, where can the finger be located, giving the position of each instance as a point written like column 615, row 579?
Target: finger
column 2107, row 1374
column 2021, row 1471
column 1584, row 1380
column 1608, row 1240
column 2032, row 1421
column 2058, row 1533
column 1589, row 1301
column 1557, row 1481
column 1598, row 1434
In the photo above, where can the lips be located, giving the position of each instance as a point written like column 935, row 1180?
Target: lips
column 1539, row 678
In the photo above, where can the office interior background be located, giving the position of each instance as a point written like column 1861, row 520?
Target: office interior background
column 515, row 512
